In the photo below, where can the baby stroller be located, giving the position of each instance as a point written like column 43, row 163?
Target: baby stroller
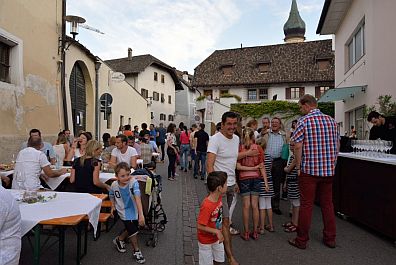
column 153, row 211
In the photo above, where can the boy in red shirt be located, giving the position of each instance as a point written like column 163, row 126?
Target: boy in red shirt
column 210, row 238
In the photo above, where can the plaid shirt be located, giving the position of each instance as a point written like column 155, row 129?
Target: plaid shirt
column 319, row 135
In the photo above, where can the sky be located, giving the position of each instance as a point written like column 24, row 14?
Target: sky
column 183, row 33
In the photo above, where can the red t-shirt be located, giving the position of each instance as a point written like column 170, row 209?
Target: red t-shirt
column 127, row 133
column 210, row 215
column 184, row 138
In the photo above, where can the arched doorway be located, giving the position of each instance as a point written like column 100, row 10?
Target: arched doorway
column 78, row 99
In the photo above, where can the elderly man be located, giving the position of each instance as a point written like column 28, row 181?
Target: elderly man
column 316, row 140
column 30, row 162
column 123, row 152
column 45, row 147
column 275, row 139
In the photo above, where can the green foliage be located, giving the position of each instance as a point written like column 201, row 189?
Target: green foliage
column 386, row 106
column 228, row 95
column 200, row 98
column 286, row 109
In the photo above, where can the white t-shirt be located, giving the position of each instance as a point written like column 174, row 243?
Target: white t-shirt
column 124, row 157
column 30, row 162
column 10, row 228
column 226, row 151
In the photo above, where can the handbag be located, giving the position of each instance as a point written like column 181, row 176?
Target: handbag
column 285, row 152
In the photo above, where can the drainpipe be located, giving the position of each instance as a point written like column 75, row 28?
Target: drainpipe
column 97, row 104
column 63, row 66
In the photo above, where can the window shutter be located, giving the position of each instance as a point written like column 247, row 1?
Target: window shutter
column 302, row 91
column 288, row 93
column 317, row 92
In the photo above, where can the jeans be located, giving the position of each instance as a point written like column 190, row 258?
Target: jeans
column 200, row 157
column 171, row 166
column 184, row 153
column 310, row 186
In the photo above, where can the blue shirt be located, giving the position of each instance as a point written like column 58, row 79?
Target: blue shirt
column 161, row 135
column 124, row 199
column 153, row 134
column 47, row 148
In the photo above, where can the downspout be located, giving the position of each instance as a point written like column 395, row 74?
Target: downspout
column 63, row 66
column 97, row 104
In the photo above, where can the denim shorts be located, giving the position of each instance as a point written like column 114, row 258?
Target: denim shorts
column 250, row 186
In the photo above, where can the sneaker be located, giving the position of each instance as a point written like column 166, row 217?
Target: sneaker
column 119, row 244
column 234, row 231
column 139, row 257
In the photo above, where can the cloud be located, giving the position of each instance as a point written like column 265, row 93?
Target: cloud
column 175, row 31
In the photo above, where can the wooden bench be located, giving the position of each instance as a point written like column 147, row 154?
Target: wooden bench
column 103, row 219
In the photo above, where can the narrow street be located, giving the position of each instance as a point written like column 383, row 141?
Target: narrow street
column 178, row 243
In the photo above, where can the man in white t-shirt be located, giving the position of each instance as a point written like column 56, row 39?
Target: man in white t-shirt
column 123, row 153
column 10, row 229
column 29, row 164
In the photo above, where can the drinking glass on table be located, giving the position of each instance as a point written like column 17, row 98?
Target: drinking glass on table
column 20, row 179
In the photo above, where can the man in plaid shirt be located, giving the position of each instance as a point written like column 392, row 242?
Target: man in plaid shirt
column 316, row 148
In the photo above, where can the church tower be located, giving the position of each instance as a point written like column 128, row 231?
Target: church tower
column 294, row 27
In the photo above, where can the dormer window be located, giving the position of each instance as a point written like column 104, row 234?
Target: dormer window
column 263, row 67
column 323, row 64
column 227, row 69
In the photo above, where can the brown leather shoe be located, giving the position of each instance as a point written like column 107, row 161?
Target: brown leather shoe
column 294, row 243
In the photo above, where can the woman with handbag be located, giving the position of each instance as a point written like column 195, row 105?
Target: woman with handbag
column 171, row 150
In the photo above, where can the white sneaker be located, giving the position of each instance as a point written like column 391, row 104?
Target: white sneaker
column 120, row 245
column 139, row 257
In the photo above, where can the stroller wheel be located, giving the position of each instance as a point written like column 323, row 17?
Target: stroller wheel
column 160, row 227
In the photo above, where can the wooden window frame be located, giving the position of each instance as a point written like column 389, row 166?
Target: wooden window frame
column 155, row 76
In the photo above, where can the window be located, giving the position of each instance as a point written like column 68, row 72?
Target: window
column 170, row 99
column 323, row 64
column 162, row 117
column 152, row 115
column 163, row 79
column 223, row 91
column 208, row 93
column 156, row 96
column 121, row 120
column 162, row 98
column 263, row 93
column 4, row 62
column 144, row 92
column 227, row 70
column 263, row 67
column 356, row 46
column 320, row 90
column 294, row 92
column 170, row 117
column 155, row 76
column 252, row 94
column 129, row 121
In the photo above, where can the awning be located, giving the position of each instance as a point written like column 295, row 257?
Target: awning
column 342, row 93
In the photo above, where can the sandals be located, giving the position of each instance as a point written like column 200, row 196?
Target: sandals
column 287, row 224
column 269, row 228
column 254, row 235
column 245, row 236
column 261, row 231
column 290, row 229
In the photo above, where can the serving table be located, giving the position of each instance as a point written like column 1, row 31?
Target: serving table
column 364, row 190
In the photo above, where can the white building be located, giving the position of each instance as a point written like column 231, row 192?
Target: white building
column 364, row 56
column 185, row 109
column 155, row 80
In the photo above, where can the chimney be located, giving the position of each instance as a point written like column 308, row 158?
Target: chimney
column 185, row 76
column 129, row 54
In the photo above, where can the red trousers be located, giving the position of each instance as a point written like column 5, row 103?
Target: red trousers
column 310, row 186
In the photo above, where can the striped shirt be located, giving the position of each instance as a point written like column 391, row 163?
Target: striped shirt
column 319, row 136
column 124, row 199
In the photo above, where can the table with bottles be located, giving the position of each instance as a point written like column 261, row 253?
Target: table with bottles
column 364, row 186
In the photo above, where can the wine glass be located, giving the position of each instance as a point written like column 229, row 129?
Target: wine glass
column 20, row 179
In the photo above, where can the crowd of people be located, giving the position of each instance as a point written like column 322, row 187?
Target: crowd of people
column 260, row 165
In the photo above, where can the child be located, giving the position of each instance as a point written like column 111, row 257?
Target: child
column 266, row 195
column 125, row 197
column 292, row 191
column 209, row 224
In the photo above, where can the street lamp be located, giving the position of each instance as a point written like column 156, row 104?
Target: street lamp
column 74, row 21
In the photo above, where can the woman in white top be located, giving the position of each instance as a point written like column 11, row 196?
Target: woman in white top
column 61, row 148
column 78, row 146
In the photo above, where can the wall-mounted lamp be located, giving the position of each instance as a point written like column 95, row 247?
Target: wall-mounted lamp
column 74, row 21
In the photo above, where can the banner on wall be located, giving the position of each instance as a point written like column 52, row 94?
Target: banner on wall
column 209, row 110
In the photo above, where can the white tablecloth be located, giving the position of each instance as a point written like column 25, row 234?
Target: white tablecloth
column 65, row 204
column 53, row 183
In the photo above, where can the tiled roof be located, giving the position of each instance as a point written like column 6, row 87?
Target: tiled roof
column 139, row 64
column 288, row 63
